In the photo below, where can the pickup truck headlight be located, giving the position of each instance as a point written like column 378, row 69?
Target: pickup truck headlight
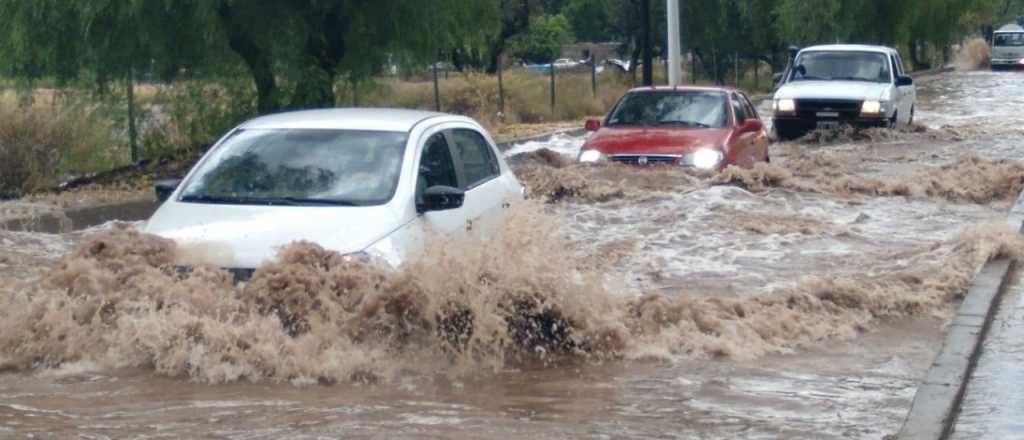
column 1021, row 61
column 704, row 158
column 871, row 108
column 591, row 156
column 785, row 106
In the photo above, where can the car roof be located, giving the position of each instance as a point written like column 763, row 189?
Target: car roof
column 1011, row 28
column 683, row 89
column 851, row 48
column 383, row 119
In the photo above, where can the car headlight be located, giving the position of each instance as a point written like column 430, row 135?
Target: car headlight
column 785, row 105
column 871, row 108
column 360, row 256
column 591, row 156
column 1021, row 61
column 704, row 158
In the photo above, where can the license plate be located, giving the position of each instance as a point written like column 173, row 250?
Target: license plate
column 828, row 114
column 828, row 124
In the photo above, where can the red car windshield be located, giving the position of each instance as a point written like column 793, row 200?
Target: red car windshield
column 689, row 108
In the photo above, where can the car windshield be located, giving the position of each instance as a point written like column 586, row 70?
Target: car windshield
column 1014, row 39
column 300, row 167
column 848, row 66
column 697, row 109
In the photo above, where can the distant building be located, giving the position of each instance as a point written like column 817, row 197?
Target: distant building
column 601, row 51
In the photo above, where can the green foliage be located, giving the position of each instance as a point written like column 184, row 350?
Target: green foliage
column 591, row 20
column 543, row 41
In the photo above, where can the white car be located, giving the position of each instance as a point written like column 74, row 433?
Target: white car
column 367, row 182
column 843, row 84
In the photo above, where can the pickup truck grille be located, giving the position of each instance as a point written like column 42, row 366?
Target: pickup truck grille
column 810, row 108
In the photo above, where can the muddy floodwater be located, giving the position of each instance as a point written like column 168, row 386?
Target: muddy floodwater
column 803, row 299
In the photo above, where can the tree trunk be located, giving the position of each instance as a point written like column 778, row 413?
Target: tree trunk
column 510, row 27
column 256, row 59
column 324, row 50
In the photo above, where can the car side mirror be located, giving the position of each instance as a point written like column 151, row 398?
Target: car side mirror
column 164, row 188
column 776, row 78
column 751, row 126
column 904, row 81
column 593, row 125
column 441, row 198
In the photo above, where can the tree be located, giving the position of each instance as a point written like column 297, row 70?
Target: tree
column 514, row 18
column 590, row 19
column 294, row 50
column 543, row 41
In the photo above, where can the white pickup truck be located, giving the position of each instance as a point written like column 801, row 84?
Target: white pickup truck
column 843, row 84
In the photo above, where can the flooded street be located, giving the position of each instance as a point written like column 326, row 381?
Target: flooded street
column 805, row 299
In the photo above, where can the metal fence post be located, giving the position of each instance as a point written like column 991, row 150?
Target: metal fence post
column 133, row 134
column 552, row 87
column 693, row 66
column 593, row 74
column 736, row 60
column 501, row 91
column 437, row 90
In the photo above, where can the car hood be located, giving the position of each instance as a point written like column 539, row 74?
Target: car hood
column 845, row 90
column 655, row 140
column 236, row 236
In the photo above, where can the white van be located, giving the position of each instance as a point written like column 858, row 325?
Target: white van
column 1008, row 47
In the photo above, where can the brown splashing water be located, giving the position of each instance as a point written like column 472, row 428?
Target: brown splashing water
column 313, row 316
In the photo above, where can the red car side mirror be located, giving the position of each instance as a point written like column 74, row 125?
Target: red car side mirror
column 751, row 125
column 593, row 125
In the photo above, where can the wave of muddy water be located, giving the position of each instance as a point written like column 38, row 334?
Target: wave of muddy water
column 797, row 309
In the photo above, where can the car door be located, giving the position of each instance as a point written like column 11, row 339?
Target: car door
column 904, row 95
column 759, row 140
column 480, row 172
column 436, row 166
column 741, row 142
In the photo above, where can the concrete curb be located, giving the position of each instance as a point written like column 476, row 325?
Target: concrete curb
column 506, row 145
column 939, row 396
column 81, row 218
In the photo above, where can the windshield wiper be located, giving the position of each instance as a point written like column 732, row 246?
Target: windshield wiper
column 270, row 201
column 851, row 78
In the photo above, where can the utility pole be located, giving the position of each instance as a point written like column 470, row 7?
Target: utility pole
column 645, row 25
column 675, row 73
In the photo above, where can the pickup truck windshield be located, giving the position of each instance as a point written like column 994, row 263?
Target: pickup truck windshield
column 841, row 66
column 1009, row 39
column 300, row 167
column 692, row 109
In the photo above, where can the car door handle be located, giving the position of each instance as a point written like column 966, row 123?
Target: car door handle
column 469, row 225
column 506, row 205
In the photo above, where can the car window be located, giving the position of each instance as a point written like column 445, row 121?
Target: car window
column 697, row 109
column 436, row 166
column 300, row 167
column 898, row 65
column 841, row 65
column 478, row 162
column 737, row 107
column 751, row 110
column 1015, row 39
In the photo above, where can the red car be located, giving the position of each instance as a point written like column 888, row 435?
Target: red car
column 708, row 128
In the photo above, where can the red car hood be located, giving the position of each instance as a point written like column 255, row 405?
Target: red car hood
column 655, row 140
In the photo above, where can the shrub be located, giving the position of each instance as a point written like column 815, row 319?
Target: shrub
column 36, row 143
